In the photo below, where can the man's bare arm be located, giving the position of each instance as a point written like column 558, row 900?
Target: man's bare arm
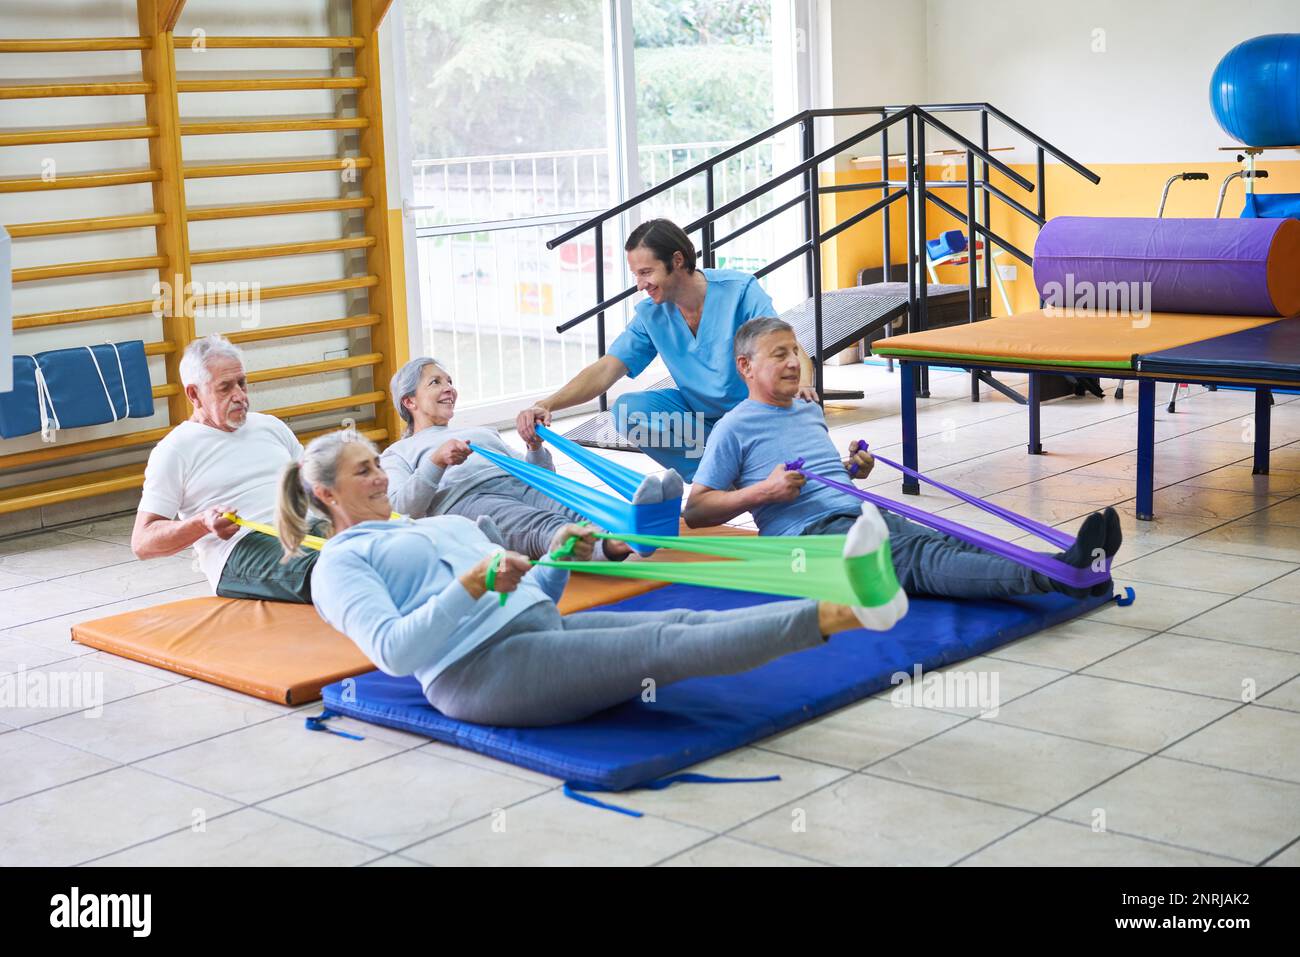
column 711, row 506
column 156, row 536
column 583, row 387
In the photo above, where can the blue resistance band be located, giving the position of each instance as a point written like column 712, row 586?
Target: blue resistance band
column 616, row 515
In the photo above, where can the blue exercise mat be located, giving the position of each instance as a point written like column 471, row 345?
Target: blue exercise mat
column 636, row 744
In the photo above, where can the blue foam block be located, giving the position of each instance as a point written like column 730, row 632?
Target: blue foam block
column 636, row 743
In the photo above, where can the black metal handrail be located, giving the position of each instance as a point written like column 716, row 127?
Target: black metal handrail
column 916, row 190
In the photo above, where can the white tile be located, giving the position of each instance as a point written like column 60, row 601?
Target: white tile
column 403, row 799
column 1072, row 645
column 552, row 830
column 75, row 686
column 98, row 815
column 1006, row 765
column 263, row 760
column 1284, row 696
column 34, row 764
column 151, row 723
column 1253, row 740
column 1113, row 713
column 1156, row 607
column 855, row 736
column 1248, row 621
column 1051, row 843
column 245, row 838
column 1200, row 666
column 1241, row 816
column 728, row 852
column 870, row 821
column 135, row 578
column 1280, row 542
column 1286, row 588
column 1185, row 567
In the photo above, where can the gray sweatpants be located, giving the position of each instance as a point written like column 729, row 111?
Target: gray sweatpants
column 527, row 519
column 928, row 562
column 544, row 669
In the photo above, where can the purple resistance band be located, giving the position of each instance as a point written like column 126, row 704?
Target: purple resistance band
column 1053, row 568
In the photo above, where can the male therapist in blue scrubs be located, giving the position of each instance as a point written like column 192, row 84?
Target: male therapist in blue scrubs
column 690, row 317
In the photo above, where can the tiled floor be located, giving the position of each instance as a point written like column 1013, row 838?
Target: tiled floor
column 1163, row 733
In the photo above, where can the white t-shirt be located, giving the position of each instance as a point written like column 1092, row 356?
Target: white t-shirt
column 196, row 467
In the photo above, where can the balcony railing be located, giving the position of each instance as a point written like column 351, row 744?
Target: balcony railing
column 491, row 292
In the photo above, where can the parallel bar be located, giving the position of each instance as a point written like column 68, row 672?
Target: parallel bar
column 86, row 134
column 75, row 44
column 1019, row 207
column 1039, row 141
column 302, row 329
column 263, row 168
column 111, row 443
column 801, row 250
column 276, row 125
column 92, row 268
column 71, row 488
column 62, row 317
column 272, row 83
column 296, row 289
column 37, row 91
column 272, row 251
column 199, row 214
column 863, row 214
column 79, row 181
column 314, row 368
column 675, row 180
column 328, row 405
column 986, row 233
column 770, row 214
column 279, row 43
column 972, row 260
column 56, row 227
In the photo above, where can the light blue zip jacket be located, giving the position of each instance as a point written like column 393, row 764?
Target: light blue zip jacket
column 392, row 587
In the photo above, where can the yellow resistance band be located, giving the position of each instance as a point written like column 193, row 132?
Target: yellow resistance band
column 314, row 542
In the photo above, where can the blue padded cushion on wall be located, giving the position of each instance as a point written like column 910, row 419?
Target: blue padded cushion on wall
column 634, row 744
column 77, row 395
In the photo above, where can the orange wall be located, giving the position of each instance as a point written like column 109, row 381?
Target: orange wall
column 1126, row 189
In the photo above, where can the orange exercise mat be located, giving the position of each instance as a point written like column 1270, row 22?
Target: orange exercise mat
column 1080, row 340
column 283, row 652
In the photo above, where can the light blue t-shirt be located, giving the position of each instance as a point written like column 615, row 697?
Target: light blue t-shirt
column 754, row 438
column 704, row 364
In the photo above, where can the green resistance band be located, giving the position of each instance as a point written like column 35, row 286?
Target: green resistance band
column 491, row 578
column 796, row 566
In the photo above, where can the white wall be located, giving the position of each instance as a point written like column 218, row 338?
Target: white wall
column 1141, row 97
column 1111, row 81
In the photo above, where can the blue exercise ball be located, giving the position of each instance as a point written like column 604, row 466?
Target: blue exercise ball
column 1255, row 91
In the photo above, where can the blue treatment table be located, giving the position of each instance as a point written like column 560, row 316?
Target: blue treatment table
column 1262, row 358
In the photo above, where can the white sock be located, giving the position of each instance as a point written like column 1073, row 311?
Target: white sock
column 868, row 533
column 673, row 485
column 649, row 492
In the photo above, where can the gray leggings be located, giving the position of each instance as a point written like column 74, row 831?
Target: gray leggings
column 527, row 519
column 932, row 563
column 546, row 669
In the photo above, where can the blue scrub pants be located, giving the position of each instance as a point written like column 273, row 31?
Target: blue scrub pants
column 663, row 426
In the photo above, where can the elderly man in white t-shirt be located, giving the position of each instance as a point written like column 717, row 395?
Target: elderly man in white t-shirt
column 224, row 458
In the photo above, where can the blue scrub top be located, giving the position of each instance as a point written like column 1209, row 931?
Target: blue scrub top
column 703, row 365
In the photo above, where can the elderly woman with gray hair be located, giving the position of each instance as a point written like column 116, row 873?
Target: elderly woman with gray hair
column 431, row 471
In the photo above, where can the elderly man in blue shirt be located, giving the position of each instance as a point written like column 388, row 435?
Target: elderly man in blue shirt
column 689, row 317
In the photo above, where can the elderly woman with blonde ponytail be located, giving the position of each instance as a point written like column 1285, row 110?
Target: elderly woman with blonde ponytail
column 419, row 597
column 431, row 471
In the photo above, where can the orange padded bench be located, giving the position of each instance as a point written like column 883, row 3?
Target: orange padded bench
column 283, row 652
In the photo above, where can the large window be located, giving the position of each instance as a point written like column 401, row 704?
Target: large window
column 527, row 116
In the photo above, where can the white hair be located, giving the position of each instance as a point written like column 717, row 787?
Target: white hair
column 200, row 353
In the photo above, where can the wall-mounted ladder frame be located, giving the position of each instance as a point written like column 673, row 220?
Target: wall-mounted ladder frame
column 164, row 129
